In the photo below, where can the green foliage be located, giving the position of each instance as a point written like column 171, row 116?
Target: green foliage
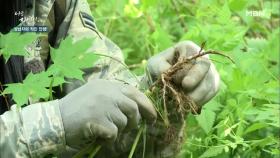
column 15, row 43
column 243, row 119
column 68, row 62
column 212, row 151
column 208, row 116
column 71, row 58
column 22, row 91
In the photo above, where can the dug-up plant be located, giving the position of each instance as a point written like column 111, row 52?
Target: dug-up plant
column 172, row 105
column 171, row 101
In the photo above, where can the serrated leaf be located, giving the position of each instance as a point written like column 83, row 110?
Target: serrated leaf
column 206, row 120
column 161, row 38
column 256, row 45
column 237, row 5
column 212, row 151
column 254, row 127
column 19, row 93
column 33, row 86
column 15, row 43
column 70, row 58
column 224, row 14
column 213, row 105
column 41, row 79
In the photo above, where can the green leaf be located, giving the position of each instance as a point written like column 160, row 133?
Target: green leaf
column 224, row 14
column 256, row 45
column 264, row 141
column 19, row 92
column 268, row 113
column 15, row 43
column 237, row 5
column 132, row 11
column 254, row 127
column 212, row 151
column 33, row 86
column 70, row 58
column 206, row 120
column 161, row 38
column 213, row 105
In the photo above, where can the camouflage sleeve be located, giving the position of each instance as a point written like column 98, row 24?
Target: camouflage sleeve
column 79, row 23
column 33, row 131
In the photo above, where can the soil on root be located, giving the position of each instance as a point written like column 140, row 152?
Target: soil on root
column 175, row 104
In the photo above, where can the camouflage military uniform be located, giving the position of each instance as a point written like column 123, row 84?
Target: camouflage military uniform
column 37, row 130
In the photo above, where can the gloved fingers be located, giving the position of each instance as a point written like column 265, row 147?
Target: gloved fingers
column 187, row 48
column 106, row 131
column 130, row 110
column 180, row 74
column 196, row 74
column 204, row 87
column 163, row 61
column 184, row 48
column 215, row 84
column 145, row 106
column 167, row 55
column 157, row 65
column 119, row 119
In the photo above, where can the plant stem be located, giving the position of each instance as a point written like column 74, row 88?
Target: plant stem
column 95, row 151
column 4, row 96
column 136, row 140
column 144, row 140
column 92, row 149
column 123, row 64
column 50, row 89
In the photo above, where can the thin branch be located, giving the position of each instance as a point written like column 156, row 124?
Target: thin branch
column 165, row 114
column 4, row 96
column 119, row 61
column 165, row 82
column 136, row 141
column 150, row 22
column 135, row 65
column 211, row 52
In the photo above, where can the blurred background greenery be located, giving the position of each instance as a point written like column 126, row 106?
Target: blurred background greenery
column 243, row 119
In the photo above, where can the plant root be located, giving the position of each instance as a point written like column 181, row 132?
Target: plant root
column 174, row 96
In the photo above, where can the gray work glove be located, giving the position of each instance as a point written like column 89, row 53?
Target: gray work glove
column 200, row 81
column 100, row 109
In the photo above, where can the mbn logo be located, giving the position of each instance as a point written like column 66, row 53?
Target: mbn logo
column 255, row 13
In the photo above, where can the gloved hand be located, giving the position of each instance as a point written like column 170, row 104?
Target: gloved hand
column 200, row 80
column 101, row 109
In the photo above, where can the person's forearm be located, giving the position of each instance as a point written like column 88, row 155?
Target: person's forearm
column 33, row 131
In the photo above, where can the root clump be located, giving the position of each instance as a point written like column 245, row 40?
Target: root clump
column 174, row 103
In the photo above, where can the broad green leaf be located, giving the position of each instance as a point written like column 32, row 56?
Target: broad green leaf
column 33, row 86
column 206, row 120
column 161, row 38
column 256, row 45
column 70, row 58
column 237, row 5
column 20, row 93
column 264, row 141
column 224, row 14
column 266, row 113
column 213, row 105
column 212, row 151
column 15, row 43
column 254, row 127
